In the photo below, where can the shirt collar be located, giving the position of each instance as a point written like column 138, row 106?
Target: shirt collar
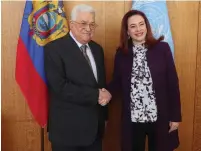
column 77, row 42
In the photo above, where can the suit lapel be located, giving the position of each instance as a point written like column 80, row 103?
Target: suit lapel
column 96, row 60
column 79, row 56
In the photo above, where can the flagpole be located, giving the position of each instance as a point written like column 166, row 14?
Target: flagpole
column 42, row 140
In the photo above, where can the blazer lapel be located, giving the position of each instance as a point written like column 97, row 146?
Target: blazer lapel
column 127, row 68
column 130, row 63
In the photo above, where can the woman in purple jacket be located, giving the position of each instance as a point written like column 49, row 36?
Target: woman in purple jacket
column 145, row 74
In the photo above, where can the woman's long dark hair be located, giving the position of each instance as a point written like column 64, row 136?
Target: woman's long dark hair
column 124, row 39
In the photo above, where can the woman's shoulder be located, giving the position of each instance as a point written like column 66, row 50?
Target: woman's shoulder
column 119, row 51
column 161, row 44
column 119, row 54
column 162, row 47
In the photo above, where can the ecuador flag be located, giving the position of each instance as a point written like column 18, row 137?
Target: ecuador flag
column 42, row 22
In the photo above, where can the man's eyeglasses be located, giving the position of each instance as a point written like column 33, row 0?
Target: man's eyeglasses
column 85, row 25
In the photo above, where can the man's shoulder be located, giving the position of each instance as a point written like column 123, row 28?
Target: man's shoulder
column 95, row 44
column 57, row 42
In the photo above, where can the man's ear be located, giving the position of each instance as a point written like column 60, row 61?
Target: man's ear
column 71, row 24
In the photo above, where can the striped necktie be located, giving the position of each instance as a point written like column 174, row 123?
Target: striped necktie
column 83, row 49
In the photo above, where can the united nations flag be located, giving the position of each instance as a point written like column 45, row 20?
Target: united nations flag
column 156, row 12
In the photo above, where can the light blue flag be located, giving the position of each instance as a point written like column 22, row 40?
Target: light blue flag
column 157, row 14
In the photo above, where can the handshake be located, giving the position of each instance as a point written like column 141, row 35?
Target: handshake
column 104, row 97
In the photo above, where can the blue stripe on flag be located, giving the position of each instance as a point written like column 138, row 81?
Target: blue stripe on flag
column 36, row 52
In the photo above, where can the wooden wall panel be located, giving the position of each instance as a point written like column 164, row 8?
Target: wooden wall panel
column 112, row 34
column 20, row 136
column 197, row 119
column 184, row 30
column 47, row 144
column 127, row 7
column 19, row 130
column 12, row 99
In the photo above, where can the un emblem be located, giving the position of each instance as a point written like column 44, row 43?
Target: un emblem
column 156, row 12
column 156, row 16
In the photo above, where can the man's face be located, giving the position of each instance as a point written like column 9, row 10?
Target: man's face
column 83, row 27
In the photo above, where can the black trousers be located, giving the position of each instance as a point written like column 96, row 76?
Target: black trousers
column 95, row 146
column 140, row 131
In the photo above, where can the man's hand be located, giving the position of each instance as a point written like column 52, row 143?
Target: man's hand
column 173, row 126
column 104, row 97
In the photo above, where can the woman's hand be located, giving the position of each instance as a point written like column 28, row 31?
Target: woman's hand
column 173, row 126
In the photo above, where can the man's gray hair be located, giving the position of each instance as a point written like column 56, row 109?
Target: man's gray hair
column 81, row 8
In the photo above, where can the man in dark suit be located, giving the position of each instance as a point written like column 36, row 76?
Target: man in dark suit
column 75, row 73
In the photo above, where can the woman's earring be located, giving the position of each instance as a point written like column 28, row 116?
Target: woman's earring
column 129, row 37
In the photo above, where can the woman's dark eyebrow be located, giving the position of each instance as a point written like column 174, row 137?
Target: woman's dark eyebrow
column 139, row 23
column 132, row 24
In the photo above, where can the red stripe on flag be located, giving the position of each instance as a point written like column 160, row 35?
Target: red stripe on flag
column 31, row 84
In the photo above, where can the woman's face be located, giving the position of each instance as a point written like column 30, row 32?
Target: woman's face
column 137, row 29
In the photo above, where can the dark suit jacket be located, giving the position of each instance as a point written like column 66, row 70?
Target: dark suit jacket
column 166, row 86
column 75, row 117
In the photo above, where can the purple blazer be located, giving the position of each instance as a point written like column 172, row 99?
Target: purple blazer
column 166, row 86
